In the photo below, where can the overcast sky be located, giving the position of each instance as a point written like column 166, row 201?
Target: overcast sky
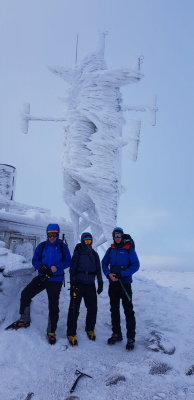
column 157, row 208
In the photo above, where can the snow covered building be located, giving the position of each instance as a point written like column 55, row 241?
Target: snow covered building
column 23, row 227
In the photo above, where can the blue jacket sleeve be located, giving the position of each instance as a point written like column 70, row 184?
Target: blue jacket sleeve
column 105, row 263
column 61, row 265
column 134, row 261
column 37, row 257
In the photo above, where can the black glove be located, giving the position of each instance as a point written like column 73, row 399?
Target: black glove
column 100, row 287
column 45, row 271
column 118, row 275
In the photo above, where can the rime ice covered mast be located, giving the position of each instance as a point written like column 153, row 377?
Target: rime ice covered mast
column 93, row 140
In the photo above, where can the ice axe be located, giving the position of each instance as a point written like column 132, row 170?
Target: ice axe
column 80, row 374
column 124, row 290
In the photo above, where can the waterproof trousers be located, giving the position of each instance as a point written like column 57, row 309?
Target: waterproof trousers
column 53, row 291
column 116, row 293
column 88, row 292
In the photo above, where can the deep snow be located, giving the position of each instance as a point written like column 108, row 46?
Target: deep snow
column 164, row 323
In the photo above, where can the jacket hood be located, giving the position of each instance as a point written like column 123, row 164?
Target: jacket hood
column 124, row 246
column 86, row 235
column 53, row 228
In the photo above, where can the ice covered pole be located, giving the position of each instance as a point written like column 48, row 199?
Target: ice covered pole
column 93, row 140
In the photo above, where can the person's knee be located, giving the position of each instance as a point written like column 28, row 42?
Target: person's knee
column 54, row 308
column 25, row 295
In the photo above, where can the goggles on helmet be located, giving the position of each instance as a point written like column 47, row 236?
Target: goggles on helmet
column 87, row 241
column 52, row 234
column 117, row 235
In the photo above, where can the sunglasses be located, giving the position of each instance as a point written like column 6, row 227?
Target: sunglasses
column 118, row 235
column 87, row 241
column 50, row 235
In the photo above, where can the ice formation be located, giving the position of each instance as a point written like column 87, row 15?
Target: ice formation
column 7, row 178
column 93, row 140
column 15, row 273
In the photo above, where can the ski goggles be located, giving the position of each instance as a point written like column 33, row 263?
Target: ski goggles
column 87, row 241
column 118, row 235
column 52, row 234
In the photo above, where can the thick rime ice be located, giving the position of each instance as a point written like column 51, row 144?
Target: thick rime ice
column 15, row 273
column 7, row 177
column 93, row 140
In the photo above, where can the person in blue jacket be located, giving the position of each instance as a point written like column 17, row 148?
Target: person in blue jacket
column 85, row 266
column 51, row 258
column 119, row 264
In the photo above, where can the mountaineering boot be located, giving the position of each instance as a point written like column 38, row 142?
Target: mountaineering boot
column 116, row 337
column 51, row 338
column 91, row 335
column 18, row 324
column 130, row 344
column 72, row 340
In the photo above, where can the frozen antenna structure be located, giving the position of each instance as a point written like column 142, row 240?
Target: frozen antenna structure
column 93, row 140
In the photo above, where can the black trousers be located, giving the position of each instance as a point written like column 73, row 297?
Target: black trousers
column 32, row 289
column 116, row 293
column 88, row 292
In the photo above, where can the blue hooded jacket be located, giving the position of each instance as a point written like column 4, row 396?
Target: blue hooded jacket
column 52, row 255
column 119, row 259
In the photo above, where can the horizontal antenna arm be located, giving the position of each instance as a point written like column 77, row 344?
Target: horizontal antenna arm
column 26, row 117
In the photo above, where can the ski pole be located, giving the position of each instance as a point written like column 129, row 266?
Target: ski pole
column 77, row 372
column 124, row 290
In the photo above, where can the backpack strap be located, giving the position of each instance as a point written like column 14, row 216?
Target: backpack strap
column 61, row 248
column 42, row 249
column 110, row 249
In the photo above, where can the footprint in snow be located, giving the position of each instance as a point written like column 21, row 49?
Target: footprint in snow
column 29, row 396
column 114, row 380
column 159, row 368
column 190, row 371
column 158, row 343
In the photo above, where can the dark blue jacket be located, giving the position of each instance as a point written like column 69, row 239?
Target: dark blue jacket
column 118, row 260
column 52, row 256
column 85, row 259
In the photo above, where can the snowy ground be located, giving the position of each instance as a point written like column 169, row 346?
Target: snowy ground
column 156, row 369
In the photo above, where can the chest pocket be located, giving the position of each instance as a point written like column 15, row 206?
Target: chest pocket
column 123, row 257
column 119, row 257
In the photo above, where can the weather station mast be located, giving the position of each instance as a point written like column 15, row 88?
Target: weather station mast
column 93, row 139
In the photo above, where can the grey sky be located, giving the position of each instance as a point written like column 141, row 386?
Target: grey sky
column 157, row 208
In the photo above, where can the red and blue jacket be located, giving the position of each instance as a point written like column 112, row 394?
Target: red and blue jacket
column 52, row 255
column 123, row 259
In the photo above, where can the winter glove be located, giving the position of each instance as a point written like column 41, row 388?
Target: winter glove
column 100, row 287
column 45, row 271
column 118, row 275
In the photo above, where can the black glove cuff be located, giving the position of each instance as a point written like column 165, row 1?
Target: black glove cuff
column 118, row 275
column 45, row 271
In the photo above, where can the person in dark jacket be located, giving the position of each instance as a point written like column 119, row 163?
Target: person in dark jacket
column 51, row 258
column 85, row 266
column 119, row 264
